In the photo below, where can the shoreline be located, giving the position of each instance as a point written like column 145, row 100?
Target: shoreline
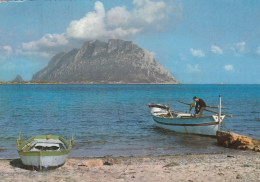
column 81, row 83
column 112, row 83
column 231, row 166
column 82, row 153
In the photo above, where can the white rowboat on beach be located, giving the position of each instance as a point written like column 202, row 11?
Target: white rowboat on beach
column 43, row 151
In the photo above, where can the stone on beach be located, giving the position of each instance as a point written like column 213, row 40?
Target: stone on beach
column 111, row 161
column 93, row 163
column 172, row 164
column 236, row 141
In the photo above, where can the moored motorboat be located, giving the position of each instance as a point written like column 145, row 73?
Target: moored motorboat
column 183, row 122
column 43, row 151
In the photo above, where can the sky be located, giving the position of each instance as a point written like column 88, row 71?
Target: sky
column 198, row 42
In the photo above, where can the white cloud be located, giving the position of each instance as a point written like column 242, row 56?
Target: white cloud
column 229, row 67
column 197, row 53
column 12, row 1
column 51, row 40
column 120, row 32
column 150, row 11
column 48, row 40
column 118, row 22
column 92, row 25
column 5, row 52
column 194, row 68
column 45, row 47
column 217, row 50
column 240, row 46
column 8, row 49
column 118, row 16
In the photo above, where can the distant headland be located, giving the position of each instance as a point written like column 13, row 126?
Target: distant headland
column 28, row 82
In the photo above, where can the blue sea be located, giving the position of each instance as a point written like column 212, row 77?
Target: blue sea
column 115, row 120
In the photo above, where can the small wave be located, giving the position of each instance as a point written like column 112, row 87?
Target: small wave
column 118, row 121
column 16, row 115
column 251, row 120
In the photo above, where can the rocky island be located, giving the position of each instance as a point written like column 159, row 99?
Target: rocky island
column 18, row 78
column 97, row 62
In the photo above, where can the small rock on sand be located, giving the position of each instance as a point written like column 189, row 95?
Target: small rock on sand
column 93, row 163
column 239, row 176
column 111, row 161
column 172, row 164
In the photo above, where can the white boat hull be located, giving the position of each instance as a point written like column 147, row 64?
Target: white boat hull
column 185, row 122
column 44, row 161
column 187, row 125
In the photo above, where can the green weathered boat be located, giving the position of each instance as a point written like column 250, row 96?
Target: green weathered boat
column 43, row 151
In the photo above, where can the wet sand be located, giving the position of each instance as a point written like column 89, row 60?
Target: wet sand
column 237, row 166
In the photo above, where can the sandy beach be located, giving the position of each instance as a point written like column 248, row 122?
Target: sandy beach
column 233, row 166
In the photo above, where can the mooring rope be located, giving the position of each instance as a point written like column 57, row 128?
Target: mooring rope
column 223, row 124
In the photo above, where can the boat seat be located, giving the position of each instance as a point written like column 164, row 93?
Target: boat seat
column 48, row 141
column 180, row 115
column 46, row 147
column 31, row 144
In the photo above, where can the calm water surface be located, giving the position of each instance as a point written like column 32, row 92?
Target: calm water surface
column 114, row 119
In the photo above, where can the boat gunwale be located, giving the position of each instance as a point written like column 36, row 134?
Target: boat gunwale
column 183, row 117
column 190, row 124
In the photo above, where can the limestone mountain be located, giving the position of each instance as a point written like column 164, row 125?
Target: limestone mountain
column 116, row 62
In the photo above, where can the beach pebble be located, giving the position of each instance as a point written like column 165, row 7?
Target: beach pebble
column 171, row 164
column 246, row 165
column 107, row 163
column 221, row 174
column 146, row 159
column 111, row 161
column 257, row 148
column 93, row 163
column 231, row 156
column 239, row 176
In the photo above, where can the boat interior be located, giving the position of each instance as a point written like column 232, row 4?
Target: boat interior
column 44, row 145
column 174, row 114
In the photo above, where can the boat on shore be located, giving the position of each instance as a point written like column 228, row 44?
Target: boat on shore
column 187, row 123
column 43, row 151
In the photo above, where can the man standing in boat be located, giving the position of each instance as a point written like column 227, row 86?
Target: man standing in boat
column 200, row 105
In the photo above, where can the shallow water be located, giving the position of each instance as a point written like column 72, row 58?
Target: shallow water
column 115, row 119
